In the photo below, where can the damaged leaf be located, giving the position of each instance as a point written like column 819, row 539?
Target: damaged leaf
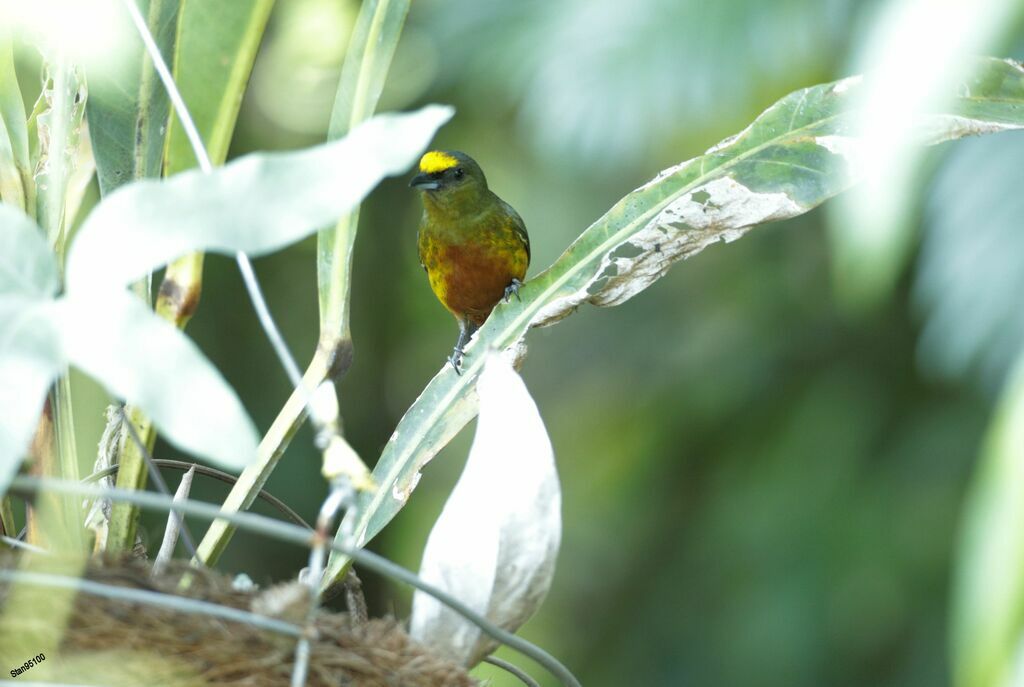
column 495, row 543
column 798, row 153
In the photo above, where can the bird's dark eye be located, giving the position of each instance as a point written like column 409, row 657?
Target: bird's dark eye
column 458, row 172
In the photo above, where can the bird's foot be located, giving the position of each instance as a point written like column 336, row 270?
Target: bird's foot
column 513, row 290
column 456, row 359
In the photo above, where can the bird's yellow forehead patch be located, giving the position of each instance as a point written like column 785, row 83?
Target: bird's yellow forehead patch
column 436, row 161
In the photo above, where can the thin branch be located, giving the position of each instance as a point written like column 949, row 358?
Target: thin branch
column 171, row 601
column 174, row 525
column 513, row 669
column 296, row 535
column 158, row 479
column 341, row 495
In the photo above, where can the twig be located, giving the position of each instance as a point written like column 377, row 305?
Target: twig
column 174, row 522
column 171, row 601
column 513, row 669
column 296, row 535
column 155, row 474
column 341, row 494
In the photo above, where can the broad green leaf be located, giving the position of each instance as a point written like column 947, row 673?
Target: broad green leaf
column 151, row 364
column 256, row 204
column 793, row 157
column 30, row 356
column 214, row 54
column 128, row 106
column 988, row 590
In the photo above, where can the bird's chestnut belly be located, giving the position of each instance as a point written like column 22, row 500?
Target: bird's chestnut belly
column 470, row 279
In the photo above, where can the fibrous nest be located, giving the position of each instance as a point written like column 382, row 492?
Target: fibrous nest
column 114, row 642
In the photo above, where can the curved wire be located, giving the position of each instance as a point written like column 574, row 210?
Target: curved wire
column 296, row 535
column 512, row 669
column 220, row 475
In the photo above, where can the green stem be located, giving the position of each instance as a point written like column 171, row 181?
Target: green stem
column 367, row 61
column 7, row 517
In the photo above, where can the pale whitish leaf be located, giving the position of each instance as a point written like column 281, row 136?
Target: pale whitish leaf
column 30, row 356
column 988, row 590
column 154, row 366
column 30, row 359
column 27, row 266
column 256, row 204
column 495, row 543
column 797, row 154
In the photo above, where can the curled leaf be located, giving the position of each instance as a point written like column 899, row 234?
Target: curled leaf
column 495, row 543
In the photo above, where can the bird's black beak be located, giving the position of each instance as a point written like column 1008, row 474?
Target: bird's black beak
column 425, row 182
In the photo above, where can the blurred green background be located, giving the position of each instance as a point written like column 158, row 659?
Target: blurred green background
column 761, row 488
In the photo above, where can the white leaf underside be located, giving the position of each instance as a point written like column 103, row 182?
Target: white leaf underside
column 495, row 543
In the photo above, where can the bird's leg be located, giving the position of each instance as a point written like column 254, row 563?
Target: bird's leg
column 466, row 330
column 513, row 290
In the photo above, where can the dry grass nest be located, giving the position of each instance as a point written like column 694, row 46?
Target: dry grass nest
column 113, row 642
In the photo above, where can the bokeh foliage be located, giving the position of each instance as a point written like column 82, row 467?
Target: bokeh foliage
column 759, row 489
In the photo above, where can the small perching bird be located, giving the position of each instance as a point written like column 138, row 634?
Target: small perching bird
column 472, row 244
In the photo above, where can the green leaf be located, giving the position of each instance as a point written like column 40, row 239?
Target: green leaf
column 128, row 106
column 256, row 204
column 216, row 47
column 151, row 364
column 794, row 156
column 988, row 589
column 367, row 60
column 15, row 170
column 30, row 356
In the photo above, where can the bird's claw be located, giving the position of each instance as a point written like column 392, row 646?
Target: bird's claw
column 456, row 360
column 513, row 290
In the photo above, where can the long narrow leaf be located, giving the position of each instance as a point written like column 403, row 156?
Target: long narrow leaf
column 128, row 106
column 794, row 156
column 215, row 51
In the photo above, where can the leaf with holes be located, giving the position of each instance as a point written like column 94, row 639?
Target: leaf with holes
column 797, row 154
